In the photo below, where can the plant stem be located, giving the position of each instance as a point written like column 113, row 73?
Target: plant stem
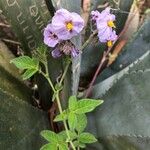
column 89, row 40
column 65, row 72
column 103, row 60
column 65, row 123
column 46, row 75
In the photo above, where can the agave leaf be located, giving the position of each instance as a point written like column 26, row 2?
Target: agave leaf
column 124, row 142
column 10, row 77
column 5, row 57
column 28, row 18
column 141, row 64
column 136, row 47
column 20, row 123
column 125, row 111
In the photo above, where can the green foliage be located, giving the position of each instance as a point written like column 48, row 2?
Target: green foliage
column 77, row 121
column 31, row 65
column 82, row 123
column 87, row 105
column 56, row 141
column 87, row 138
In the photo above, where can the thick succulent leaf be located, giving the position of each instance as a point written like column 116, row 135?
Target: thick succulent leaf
column 123, row 119
column 5, row 57
column 141, row 64
column 10, row 77
column 28, row 18
column 124, row 142
column 20, row 124
column 92, row 54
column 136, row 47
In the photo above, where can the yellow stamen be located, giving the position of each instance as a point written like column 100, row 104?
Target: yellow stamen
column 109, row 43
column 69, row 26
column 111, row 24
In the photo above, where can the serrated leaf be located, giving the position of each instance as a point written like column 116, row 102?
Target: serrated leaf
column 29, row 73
column 50, row 136
column 49, row 146
column 72, row 120
column 82, row 123
column 72, row 102
column 87, row 105
column 87, row 138
column 61, row 117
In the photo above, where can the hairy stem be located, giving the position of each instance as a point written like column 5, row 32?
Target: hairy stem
column 64, row 122
column 46, row 75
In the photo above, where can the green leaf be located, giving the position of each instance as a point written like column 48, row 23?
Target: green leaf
column 72, row 102
column 49, row 146
column 87, row 138
column 29, row 73
column 72, row 120
column 25, row 62
column 72, row 134
column 79, row 144
column 50, row 136
column 87, row 105
column 61, row 117
column 63, row 146
column 81, row 123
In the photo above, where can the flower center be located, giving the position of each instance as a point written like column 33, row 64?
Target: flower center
column 111, row 24
column 109, row 43
column 69, row 26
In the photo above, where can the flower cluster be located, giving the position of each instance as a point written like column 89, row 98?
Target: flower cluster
column 105, row 25
column 58, row 33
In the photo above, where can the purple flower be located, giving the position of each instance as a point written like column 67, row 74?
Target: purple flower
column 95, row 15
column 74, row 52
column 50, row 37
column 65, row 47
column 113, row 37
column 105, row 26
column 56, row 53
column 66, row 24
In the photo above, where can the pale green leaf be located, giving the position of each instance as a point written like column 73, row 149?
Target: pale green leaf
column 87, row 138
column 50, row 136
column 72, row 120
column 29, row 73
column 61, row 117
column 82, row 145
column 63, row 146
column 72, row 102
column 87, row 105
column 25, row 62
column 79, row 144
column 82, row 123
column 49, row 146
column 63, row 135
